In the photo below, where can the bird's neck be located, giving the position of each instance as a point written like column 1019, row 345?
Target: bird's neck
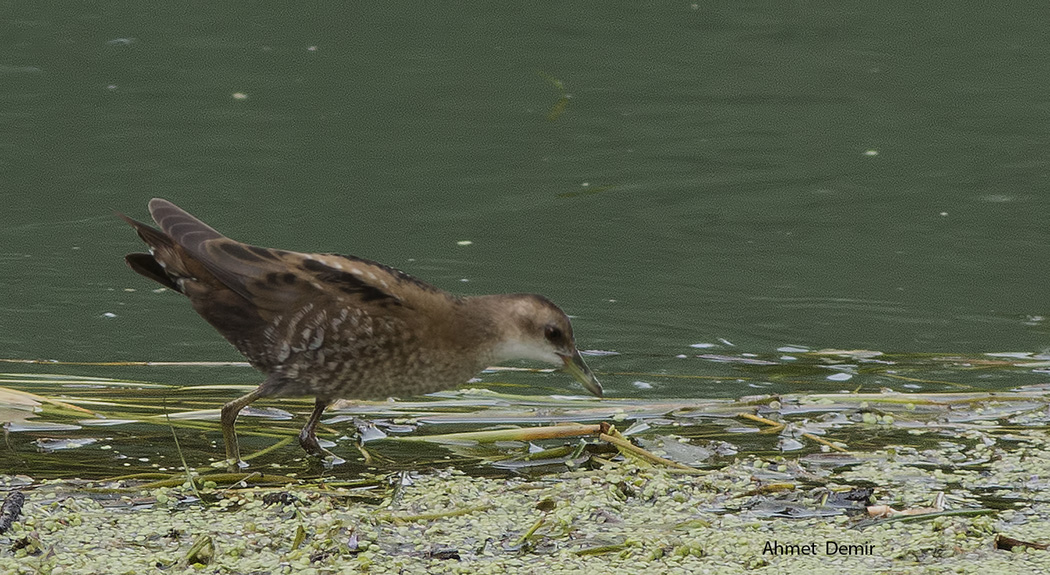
column 493, row 324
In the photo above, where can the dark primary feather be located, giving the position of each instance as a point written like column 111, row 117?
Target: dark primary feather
column 146, row 265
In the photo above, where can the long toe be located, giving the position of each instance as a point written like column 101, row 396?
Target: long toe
column 308, row 441
column 235, row 465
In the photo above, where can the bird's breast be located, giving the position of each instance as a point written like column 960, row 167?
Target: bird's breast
column 349, row 353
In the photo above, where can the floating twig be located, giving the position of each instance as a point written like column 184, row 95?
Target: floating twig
column 178, row 449
column 775, row 427
column 265, row 450
column 769, row 488
column 300, row 535
column 532, row 530
column 823, row 441
column 202, row 551
column 11, row 509
column 1008, row 543
column 132, row 363
column 219, row 478
column 925, row 514
column 633, row 449
column 517, row 434
column 601, row 550
column 399, row 519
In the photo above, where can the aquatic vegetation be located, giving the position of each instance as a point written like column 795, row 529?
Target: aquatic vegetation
column 483, row 481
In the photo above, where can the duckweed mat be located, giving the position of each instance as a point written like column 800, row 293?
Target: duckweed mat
column 474, row 481
column 766, row 515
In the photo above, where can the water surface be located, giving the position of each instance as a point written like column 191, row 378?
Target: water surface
column 749, row 175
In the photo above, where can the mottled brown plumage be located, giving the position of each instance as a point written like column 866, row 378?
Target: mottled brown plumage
column 333, row 326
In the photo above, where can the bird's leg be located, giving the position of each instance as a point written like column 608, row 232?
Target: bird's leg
column 229, row 434
column 308, row 436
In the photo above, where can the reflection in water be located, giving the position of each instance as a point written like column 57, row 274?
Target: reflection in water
column 767, row 175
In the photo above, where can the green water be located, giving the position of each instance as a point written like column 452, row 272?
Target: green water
column 745, row 174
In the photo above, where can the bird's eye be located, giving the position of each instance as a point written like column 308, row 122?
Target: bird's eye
column 552, row 333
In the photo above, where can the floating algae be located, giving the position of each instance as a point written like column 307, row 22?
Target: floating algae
column 962, row 470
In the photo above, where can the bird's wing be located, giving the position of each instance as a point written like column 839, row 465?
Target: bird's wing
column 278, row 279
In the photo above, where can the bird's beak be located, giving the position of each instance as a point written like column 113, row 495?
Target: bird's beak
column 575, row 366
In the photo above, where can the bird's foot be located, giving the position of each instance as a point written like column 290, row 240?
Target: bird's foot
column 308, row 441
column 236, row 465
